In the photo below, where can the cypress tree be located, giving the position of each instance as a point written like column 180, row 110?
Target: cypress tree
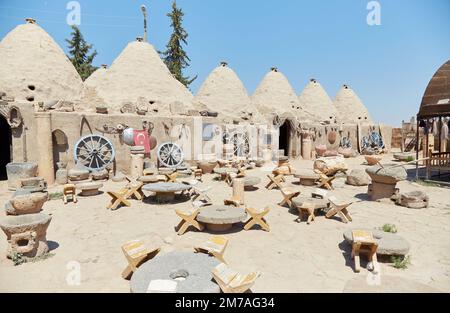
column 79, row 53
column 175, row 57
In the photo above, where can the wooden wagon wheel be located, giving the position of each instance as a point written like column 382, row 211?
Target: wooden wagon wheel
column 94, row 152
column 170, row 154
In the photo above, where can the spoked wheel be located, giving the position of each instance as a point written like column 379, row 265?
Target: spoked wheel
column 94, row 152
column 170, row 154
column 241, row 144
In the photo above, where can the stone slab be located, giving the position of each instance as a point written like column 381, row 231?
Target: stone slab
column 196, row 269
column 388, row 243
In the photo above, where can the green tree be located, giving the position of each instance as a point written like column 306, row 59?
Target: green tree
column 79, row 53
column 175, row 57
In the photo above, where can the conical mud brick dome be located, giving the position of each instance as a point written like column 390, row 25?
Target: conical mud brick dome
column 315, row 100
column 138, row 74
column 223, row 92
column 350, row 107
column 275, row 95
column 34, row 68
column 95, row 78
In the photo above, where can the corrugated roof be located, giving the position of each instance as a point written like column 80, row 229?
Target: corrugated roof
column 436, row 100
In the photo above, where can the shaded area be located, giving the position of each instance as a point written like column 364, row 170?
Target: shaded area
column 5, row 147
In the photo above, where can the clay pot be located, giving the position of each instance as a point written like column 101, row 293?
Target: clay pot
column 320, row 150
column 372, row 160
column 345, row 152
column 26, row 234
column 207, row 167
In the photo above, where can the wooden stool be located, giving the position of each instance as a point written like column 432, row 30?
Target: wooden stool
column 171, row 178
column 288, row 194
column 118, row 198
column 71, row 191
column 215, row 246
column 340, row 208
column 364, row 243
column 274, row 181
column 231, row 281
column 188, row 218
column 257, row 218
column 135, row 190
column 136, row 254
column 325, row 181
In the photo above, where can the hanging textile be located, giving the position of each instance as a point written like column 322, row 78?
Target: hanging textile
column 435, row 127
column 444, row 130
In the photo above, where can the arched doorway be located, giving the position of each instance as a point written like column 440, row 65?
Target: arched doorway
column 284, row 140
column 6, row 146
column 60, row 148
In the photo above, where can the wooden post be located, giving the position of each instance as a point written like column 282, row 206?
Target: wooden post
column 137, row 165
column 238, row 189
column 45, row 146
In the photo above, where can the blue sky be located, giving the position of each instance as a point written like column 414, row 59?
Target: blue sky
column 388, row 66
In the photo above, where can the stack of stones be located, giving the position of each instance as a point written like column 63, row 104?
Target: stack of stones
column 79, row 175
column 25, row 227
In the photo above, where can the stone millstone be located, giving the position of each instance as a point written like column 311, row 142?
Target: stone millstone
column 78, row 174
column 193, row 271
column 221, row 214
column 388, row 243
column 100, row 175
column 26, row 204
column 318, row 203
column 414, row 200
column 89, row 189
column 166, row 187
column 387, row 175
column 406, row 156
column 358, row 178
column 251, row 181
column 31, row 228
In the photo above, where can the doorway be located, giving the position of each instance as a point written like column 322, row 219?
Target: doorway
column 60, row 148
column 285, row 138
column 5, row 144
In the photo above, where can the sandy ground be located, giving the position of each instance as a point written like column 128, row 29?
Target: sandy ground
column 293, row 257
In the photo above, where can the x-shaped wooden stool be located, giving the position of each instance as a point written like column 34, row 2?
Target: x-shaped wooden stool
column 288, row 194
column 325, row 181
column 171, row 178
column 340, row 208
column 308, row 208
column 274, row 181
column 188, row 219
column 257, row 218
column 136, row 254
column 118, row 198
column 135, row 190
column 200, row 194
column 215, row 246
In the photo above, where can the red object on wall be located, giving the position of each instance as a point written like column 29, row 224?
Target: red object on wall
column 141, row 139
